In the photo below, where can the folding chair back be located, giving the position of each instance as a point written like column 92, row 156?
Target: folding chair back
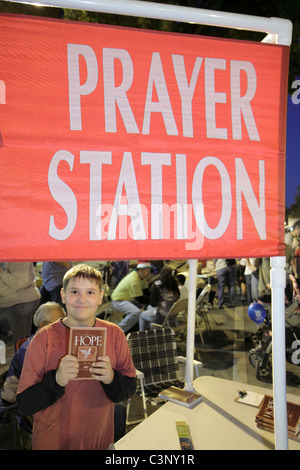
column 203, row 296
column 154, row 355
column 201, row 310
column 20, row 341
column 177, row 315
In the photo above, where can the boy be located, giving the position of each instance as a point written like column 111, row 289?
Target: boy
column 75, row 414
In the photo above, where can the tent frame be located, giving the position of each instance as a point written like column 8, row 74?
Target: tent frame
column 278, row 31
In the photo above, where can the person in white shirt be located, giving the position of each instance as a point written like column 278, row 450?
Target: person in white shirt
column 184, row 292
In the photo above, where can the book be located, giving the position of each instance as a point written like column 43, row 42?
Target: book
column 271, row 429
column 184, row 435
column 181, row 396
column 265, row 417
column 87, row 344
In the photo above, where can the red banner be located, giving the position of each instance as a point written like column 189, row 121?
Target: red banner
column 119, row 143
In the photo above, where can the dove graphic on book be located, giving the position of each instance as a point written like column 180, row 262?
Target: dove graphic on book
column 86, row 353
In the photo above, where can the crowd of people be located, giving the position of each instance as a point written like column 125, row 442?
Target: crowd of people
column 145, row 294
column 41, row 375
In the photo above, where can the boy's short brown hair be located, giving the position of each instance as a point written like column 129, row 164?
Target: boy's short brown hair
column 85, row 271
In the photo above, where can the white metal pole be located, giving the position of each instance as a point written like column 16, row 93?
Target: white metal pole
column 273, row 26
column 278, row 282
column 190, row 340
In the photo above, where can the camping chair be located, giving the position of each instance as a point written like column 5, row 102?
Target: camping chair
column 202, row 310
column 154, row 355
column 176, row 317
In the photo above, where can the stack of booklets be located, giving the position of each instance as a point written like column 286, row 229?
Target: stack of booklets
column 184, row 435
column 265, row 417
column 181, row 396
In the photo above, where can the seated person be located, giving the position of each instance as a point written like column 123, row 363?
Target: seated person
column 184, row 292
column 46, row 313
column 164, row 293
column 132, row 295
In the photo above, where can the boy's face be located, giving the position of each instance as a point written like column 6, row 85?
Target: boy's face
column 81, row 298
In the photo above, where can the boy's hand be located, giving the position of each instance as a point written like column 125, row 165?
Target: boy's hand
column 102, row 370
column 68, row 370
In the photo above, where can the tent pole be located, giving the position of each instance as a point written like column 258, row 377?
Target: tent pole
column 278, row 282
column 190, row 341
column 275, row 27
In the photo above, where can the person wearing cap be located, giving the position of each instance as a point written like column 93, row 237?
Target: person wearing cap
column 132, row 295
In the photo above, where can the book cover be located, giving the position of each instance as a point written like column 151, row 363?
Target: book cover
column 270, row 428
column 265, row 416
column 87, row 344
column 181, row 396
column 184, row 435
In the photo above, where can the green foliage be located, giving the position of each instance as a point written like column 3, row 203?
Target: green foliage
column 26, row 9
column 266, row 8
column 294, row 210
